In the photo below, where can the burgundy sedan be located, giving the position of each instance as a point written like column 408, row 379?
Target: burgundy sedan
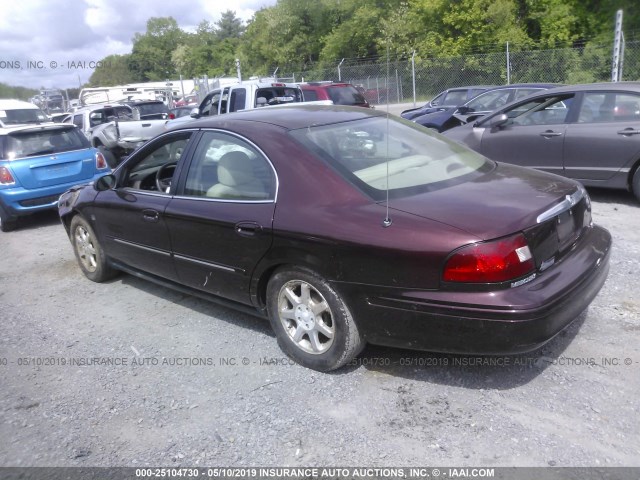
column 344, row 226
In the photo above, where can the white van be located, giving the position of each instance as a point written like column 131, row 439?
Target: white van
column 16, row 112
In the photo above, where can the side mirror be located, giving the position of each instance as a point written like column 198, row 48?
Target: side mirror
column 261, row 101
column 195, row 113
column 464, row 110
column 104, row 183
column 497, row 121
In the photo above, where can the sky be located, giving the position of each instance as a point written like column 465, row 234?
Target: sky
column 56, row 43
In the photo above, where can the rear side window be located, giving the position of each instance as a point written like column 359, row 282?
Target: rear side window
column 43, row 142
column 610, row 107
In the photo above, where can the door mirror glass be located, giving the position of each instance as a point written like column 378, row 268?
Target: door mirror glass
column 107, row 182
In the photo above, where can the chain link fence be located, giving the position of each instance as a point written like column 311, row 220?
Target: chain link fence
column 395, row 81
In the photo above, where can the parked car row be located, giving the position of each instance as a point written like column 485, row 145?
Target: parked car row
column 590, row 133
column 379, row 232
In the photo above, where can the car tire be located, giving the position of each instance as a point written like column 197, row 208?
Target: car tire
column 635, row 184
column 110, row 158
column 7, row 224
column 312, row 323
column 89, row 252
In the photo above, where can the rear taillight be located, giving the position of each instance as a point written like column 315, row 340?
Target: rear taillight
column 490, row 262
column 172, row 116
column 5, row 177
column 100, row 161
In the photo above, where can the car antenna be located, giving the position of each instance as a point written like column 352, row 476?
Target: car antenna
column 387, row 219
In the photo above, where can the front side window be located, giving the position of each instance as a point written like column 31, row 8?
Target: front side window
column 374, row 154
column 225, row 167
column 210, row 106
column 154, row 171
column 541, row 111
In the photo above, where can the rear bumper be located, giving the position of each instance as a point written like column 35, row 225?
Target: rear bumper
column 507, row 321
column 19, row 201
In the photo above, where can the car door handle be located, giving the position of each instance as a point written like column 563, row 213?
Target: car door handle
column 149, row 215
column 550, row 133
column 248, row 229
column 629, row 131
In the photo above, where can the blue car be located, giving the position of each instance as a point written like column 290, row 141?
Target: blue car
column 38, row 163
column 446, row 118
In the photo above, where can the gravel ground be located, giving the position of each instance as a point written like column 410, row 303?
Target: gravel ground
column 240, row 403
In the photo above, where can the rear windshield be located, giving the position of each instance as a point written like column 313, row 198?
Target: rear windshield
column 345, row 95
column 151, row 108
column 375, row 152
column 20, row 116
column 41, row 142
column 277, row 95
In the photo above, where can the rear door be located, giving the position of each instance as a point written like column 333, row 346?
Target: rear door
column 605, row 139
column 221, row 221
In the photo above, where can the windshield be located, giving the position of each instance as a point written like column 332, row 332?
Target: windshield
column 345, row 95
column 20, row 116
column 454, row 98
column 42, row 142
column 489, row 100
column 373, row 153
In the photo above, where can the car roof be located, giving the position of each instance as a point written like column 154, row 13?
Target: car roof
column 43, row 126
column 291, row 116
column 604, row 86
column 470, row 87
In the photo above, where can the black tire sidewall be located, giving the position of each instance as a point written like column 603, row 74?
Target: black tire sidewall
column 347, row 342
column 635, row 184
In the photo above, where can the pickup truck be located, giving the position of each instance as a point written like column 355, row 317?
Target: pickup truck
column 243, row 96
column 115, row 130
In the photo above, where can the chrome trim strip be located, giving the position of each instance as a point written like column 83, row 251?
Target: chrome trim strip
column 201, row 262
column 601, row 169
column 566, row 204
column 142, row 247
column 219, row 200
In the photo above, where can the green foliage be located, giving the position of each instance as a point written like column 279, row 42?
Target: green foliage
column 113, row 70
column 150, row 59
column 311, row 37
column 16, row 93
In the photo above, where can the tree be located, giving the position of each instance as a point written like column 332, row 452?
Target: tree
column 229, row 26
column 150, row 58
column 112, row 70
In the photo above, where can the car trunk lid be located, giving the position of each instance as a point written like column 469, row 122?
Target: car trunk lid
column 54, row 169
column 550, row 210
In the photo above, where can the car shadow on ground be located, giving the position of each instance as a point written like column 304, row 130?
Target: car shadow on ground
column 199, row 305
column 468, row 371
column 605, row 195
column 45, row 218
column 465, row 371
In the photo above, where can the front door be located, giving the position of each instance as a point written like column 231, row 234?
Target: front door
column 533, row 136
column 131, row 217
